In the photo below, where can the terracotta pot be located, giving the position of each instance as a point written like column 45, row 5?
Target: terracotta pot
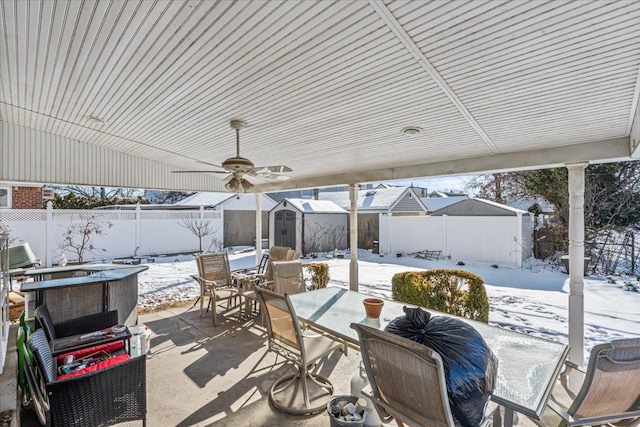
column 373, row 307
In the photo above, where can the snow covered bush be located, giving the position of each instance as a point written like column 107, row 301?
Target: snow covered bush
column 455, row 292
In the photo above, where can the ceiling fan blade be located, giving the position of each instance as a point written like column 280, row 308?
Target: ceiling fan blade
column 267, row 175
column 198, row 172
column 276, row 169
column 227, row 179
column 210, row 164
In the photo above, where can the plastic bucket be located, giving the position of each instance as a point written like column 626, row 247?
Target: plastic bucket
column 341, row 401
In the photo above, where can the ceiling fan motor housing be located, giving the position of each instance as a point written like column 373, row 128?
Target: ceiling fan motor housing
column 238, row 164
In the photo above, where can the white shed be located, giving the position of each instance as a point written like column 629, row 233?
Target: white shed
column 308, row 226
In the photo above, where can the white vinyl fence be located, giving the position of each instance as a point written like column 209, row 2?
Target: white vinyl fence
column 124, row 233
column 502, row 240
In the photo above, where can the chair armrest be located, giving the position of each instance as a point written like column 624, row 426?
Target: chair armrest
column 600, row 420
column 86, row 324
column 111, row 395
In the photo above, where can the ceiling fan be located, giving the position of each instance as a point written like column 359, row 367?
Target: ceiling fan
column 238, row 167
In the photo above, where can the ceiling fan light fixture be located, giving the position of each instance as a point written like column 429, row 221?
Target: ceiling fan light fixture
column 411, row 131
column 232, row 185
column 246, row 185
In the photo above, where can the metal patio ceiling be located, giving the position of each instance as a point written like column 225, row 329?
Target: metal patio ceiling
column 325, row 88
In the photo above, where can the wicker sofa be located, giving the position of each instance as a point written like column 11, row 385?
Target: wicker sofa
column 102, row 397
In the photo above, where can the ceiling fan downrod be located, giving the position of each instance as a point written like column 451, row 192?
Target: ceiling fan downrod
column 238, row 125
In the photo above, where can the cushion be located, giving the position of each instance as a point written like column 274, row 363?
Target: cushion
column 98, row 366
column 79, row 354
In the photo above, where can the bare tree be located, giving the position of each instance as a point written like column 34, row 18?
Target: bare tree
column 200, row 228
column 98, row 192
column 78, row 238
column 322, row 238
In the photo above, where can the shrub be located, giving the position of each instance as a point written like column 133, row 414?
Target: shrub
column 454, row 292
column 319, row 272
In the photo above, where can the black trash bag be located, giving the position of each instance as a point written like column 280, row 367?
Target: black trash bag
column 470, row 366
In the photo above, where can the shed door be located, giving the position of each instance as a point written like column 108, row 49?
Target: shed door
column 285, row 228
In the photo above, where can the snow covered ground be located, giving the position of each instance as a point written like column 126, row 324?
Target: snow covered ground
column 533, row 300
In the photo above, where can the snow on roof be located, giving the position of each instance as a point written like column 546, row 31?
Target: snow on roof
column 378, row 199
column 206, row 199
column 434, row 203
column 499, row 205
column 315, row 206
column 525, row 202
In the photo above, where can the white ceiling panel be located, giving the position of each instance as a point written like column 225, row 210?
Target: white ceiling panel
column 325, row 86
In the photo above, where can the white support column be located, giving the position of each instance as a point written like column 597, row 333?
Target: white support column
column 258, row 228
column 353, row 237
column 576, row 265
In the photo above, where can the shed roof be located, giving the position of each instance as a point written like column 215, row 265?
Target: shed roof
column 434, row 203
column 314, row 206
column 473, row 206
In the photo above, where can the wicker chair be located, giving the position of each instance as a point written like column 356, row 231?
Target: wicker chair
column 81, row 325
column 304, row 351
column 99, row 398
column 610, row 392
column 214, row 277
column 288, row 277
column 407, row 380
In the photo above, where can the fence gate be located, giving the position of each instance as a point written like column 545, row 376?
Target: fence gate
column 285, row 228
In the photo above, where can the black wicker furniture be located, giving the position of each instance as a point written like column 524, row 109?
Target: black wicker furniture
column 58, row 334
column 103, row 397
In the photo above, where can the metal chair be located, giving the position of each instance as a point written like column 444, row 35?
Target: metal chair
column 304, row 351
column 610, row 392
column 214, row 277
column 407, row 379
column 288, row 277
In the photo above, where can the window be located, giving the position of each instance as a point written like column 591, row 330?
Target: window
column 5, row 197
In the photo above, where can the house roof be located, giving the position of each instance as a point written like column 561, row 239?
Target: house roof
column 130, row 92
column 314, row 206
column 434, row 203
column 380, row 199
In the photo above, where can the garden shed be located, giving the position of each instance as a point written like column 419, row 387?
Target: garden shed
column 402, row 201
column 464, row 228
column 239, row 214
column 308, row 225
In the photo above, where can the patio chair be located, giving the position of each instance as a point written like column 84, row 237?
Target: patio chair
column 303, row 351
column 277, row 254
column 214, row 277
column 407, row 380
column 111, row 392
column 248, row 279
column 288, row 277
column 610, row 392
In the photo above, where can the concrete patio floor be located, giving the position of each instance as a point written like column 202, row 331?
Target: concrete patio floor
column 198, row 375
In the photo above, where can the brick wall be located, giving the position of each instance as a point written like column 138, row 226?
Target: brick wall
column 26, row 197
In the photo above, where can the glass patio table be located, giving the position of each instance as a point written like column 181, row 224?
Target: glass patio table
column 527, row 366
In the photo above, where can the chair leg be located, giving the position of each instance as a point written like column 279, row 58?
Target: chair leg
column 201, row 303
column 214, row 309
